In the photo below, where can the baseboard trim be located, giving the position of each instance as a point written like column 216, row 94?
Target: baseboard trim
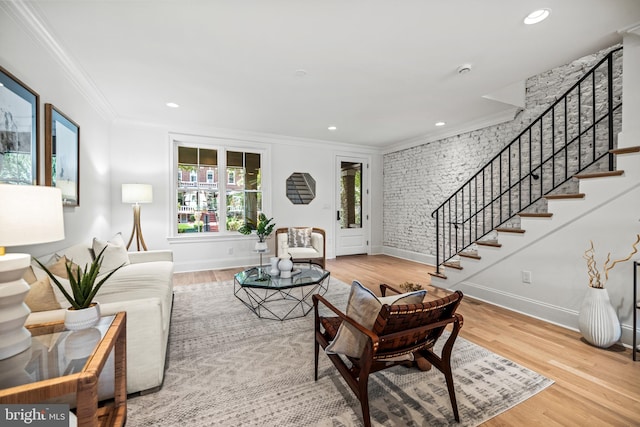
column 409, row 255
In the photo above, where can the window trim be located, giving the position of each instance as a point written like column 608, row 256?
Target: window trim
column 224, row 145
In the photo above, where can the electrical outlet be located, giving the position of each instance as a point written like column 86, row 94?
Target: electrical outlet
column 526, row 277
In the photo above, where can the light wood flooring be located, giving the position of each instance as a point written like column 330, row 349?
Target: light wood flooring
column 593, row 387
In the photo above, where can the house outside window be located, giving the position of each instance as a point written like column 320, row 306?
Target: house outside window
column 209, row 205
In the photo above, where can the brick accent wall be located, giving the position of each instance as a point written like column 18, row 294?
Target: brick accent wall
column 418, row 179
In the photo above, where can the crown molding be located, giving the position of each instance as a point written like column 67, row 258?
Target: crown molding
column 481, row 123
column 26, row 15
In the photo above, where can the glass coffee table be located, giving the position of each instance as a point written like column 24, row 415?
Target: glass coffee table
column 272, row 297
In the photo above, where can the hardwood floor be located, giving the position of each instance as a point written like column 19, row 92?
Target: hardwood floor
column 593, row 387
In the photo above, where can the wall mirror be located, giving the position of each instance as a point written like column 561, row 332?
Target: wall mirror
column 301, row 188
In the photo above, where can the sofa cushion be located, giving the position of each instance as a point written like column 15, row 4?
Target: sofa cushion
column 41, row 297
column 299, row 237
column 79, row 254
column 114, row 255
column 363, row 306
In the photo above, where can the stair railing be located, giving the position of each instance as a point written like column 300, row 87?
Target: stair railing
column 574, row 134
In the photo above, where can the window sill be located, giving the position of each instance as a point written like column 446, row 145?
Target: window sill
column 206, row 237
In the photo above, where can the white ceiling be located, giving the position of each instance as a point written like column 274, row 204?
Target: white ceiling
column 382, row 71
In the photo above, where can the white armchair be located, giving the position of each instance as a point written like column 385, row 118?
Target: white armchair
column 314, row 251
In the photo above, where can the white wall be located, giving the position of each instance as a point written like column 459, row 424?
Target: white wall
column 35, row 66
column 142, row 153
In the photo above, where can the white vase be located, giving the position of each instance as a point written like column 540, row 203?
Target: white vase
column 75, row 320
column 285, row 265
column 598, row 321
column 274, row 266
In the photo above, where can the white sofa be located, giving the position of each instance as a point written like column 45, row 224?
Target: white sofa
column 144, row 289
column 315, row 251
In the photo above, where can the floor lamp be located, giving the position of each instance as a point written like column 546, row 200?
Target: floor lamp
column 28, row 215
column 136, row 194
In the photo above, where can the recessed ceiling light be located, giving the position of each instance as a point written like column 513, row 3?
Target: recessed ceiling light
column 464, row 68
column 300, row 72
column 172, row 105
column 440, row 123
column 332, row 128
column 537, row 16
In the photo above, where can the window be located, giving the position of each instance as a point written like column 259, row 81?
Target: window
column 204, row 197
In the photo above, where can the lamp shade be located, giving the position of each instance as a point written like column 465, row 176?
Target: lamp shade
column 137, row 193
column 30, row 214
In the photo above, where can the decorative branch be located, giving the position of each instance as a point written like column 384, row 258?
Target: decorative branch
column 592, row 268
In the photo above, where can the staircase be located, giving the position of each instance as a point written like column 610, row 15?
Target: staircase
column 594, row 190
column 560, row 167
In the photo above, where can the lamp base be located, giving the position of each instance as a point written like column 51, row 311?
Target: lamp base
column 14, row 337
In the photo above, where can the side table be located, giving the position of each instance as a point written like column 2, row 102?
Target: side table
column 82, row 382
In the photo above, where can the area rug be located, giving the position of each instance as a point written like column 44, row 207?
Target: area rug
column 227, row 367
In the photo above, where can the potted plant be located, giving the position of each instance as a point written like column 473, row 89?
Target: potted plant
column 263, row 229
column 597, row 319
column 84, row 312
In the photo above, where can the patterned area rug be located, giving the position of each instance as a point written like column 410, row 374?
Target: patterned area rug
column 227, row 367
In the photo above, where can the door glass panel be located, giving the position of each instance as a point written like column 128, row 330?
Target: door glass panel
column 351, row 195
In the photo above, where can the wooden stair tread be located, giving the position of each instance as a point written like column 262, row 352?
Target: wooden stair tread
column 564, row 196
column 438, row 275
column 510, row 230
column 469, row 254
column 453, row 264
column 492, row 243
column 626, row 150
column 535, row 214
column 598, row 174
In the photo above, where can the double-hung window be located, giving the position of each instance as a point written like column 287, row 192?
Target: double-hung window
column 218, row 187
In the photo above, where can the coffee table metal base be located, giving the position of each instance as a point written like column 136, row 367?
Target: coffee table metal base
column 278, row 303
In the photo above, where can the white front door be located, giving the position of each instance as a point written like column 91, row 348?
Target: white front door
column 352, row 217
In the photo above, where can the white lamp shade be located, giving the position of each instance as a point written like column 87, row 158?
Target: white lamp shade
column 137, row 193
column 30, row 214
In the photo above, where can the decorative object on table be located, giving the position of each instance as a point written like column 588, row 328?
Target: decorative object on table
column 274, row 266
column 62, row 155
column 136, row 194
column 263, row 229
column 19, row 107
column 84, row 312
column 301, row 188
column 410, row 286
column 285, row 266
column 597, row 320
column 41, row 209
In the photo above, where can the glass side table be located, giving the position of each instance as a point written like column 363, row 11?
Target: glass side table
column 62, row 362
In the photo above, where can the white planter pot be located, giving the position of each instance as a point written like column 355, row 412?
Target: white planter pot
column 598, row 321
column 261, row 247
column 75, row 320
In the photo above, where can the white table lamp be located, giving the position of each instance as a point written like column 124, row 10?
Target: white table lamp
column 136, row 194
column 28, row 215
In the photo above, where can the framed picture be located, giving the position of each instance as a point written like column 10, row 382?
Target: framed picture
column 62, row 154
column 19, row 130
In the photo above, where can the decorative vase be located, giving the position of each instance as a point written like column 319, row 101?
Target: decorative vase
column 597, row 320
column 79, row 344
column 75, row 320
column 274, row 266
column 285, row 265
column 261, row 246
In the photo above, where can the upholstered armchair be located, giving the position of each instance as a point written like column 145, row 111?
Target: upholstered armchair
column 400, row 331
column 303, row 244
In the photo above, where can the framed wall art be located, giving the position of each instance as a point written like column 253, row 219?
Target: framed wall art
column 62, row 155
column 19, row 129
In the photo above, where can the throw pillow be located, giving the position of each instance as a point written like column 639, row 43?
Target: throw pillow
column 79, row 254
column 41, row 297
column 59, row 267
column 29, row 276
column 114, row 255
column 363, row 306
column 300, row 237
